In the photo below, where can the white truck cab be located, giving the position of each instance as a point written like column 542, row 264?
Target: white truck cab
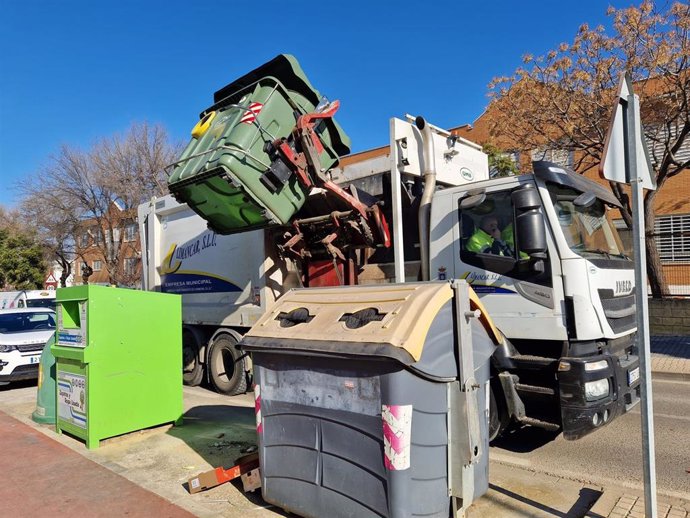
column 560, row 287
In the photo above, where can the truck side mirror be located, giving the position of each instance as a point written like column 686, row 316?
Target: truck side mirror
column 472, row 200
column 530, row 236
column 585, row 200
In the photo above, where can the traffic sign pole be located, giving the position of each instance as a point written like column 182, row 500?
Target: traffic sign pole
column 649, row 463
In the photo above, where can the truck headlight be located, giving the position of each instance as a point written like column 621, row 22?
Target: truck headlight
column 6, row 348
column 596, row 366
column 596, row 389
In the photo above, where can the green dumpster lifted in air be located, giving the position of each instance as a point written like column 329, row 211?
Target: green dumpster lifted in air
column 118, row 359
column 256, row 152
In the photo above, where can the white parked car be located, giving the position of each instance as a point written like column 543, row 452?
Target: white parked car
column 23, row 334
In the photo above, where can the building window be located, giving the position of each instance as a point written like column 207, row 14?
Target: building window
column 672, row 234
column 96, row 266
column 130, row 232
column 561, row 157
column 131, row 264
column 98, row 236
column 84, row 240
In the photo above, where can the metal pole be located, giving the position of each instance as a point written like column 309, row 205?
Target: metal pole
column 649, row 461
column 396, row 194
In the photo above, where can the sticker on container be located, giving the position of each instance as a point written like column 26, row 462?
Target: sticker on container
column 257, row 408
column 397, row 436
column 250, row 116
column 71, row 398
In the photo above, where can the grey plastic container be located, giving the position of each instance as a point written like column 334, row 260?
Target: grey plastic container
column 321, row 427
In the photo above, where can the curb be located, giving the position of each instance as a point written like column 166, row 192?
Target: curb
column 670, row 376
column 618, row 486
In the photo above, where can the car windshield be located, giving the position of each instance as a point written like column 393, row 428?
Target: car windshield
column 588, row 231
column 26, row 322
column 40, row 303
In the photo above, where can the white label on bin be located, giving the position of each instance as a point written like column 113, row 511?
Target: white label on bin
column 71, row 398
column 397, row 436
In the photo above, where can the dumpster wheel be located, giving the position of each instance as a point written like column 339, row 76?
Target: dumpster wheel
column 226, row 366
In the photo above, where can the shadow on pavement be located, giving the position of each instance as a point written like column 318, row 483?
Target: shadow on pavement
column 524, row 439
column 19, row 384
column 218, row 433
column 585, row 501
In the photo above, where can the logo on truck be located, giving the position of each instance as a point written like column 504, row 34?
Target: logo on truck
column 177, row 279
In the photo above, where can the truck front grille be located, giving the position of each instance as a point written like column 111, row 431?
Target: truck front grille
column 619, row 311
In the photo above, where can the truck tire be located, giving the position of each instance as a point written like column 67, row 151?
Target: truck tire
column 226, row 366
column 192, row 369
column 498, row 415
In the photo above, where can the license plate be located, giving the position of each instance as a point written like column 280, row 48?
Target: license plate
column 34, row 359
column 633, row 375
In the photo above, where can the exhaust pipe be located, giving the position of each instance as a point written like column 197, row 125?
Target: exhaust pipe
column 424, row 215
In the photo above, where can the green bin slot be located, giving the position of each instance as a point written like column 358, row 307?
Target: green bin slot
column 219, row 173
column 118, row 361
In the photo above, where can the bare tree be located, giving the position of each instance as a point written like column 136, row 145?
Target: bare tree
column 563, row 100
column 97, row 191
column 55, row 223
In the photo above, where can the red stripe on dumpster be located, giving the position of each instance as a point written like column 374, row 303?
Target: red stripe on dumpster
column 257, row 408
column 397, row 436
column 250, row 116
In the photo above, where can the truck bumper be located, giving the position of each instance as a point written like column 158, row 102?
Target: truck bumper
column 580, row 414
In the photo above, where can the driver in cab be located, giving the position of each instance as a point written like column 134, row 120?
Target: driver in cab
column 487, row 238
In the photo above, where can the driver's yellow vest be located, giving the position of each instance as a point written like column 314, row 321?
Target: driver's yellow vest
column 480, row 242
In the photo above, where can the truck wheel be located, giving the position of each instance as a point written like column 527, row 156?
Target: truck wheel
column 226, row 366
column 498, row 417
column 192, row 370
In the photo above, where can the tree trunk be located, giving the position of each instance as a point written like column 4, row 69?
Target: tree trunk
column 655, row 272
column 66, row 270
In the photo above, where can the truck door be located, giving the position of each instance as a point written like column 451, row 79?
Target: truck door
column 523, row 294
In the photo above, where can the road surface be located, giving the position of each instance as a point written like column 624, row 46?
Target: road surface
column 614, row 453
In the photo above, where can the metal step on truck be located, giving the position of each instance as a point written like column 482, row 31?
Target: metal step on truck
column 260, row 205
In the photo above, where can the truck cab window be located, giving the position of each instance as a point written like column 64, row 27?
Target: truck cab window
column 588, row 230
column 487, row 240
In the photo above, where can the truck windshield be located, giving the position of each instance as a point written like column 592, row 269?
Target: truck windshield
column 26, row 322
column 588, row 231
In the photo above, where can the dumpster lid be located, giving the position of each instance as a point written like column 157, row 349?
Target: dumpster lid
column 381, row 320
column 286, row 69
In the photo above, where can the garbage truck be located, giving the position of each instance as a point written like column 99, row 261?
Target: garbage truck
column 261, row 202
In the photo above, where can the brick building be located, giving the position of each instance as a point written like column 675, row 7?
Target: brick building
column 115, row 235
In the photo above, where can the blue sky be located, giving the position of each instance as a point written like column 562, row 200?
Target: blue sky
column 72, row 72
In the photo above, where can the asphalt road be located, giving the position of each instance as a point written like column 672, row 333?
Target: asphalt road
column 614, row 453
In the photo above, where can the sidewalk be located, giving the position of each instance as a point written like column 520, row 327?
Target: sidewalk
column 142, row 474
column 517, row 492
column 43, row 477
column 671, row 356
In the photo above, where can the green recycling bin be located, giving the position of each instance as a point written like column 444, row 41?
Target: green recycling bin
column 45, row 396
column 227, row 173
column 118, row 356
